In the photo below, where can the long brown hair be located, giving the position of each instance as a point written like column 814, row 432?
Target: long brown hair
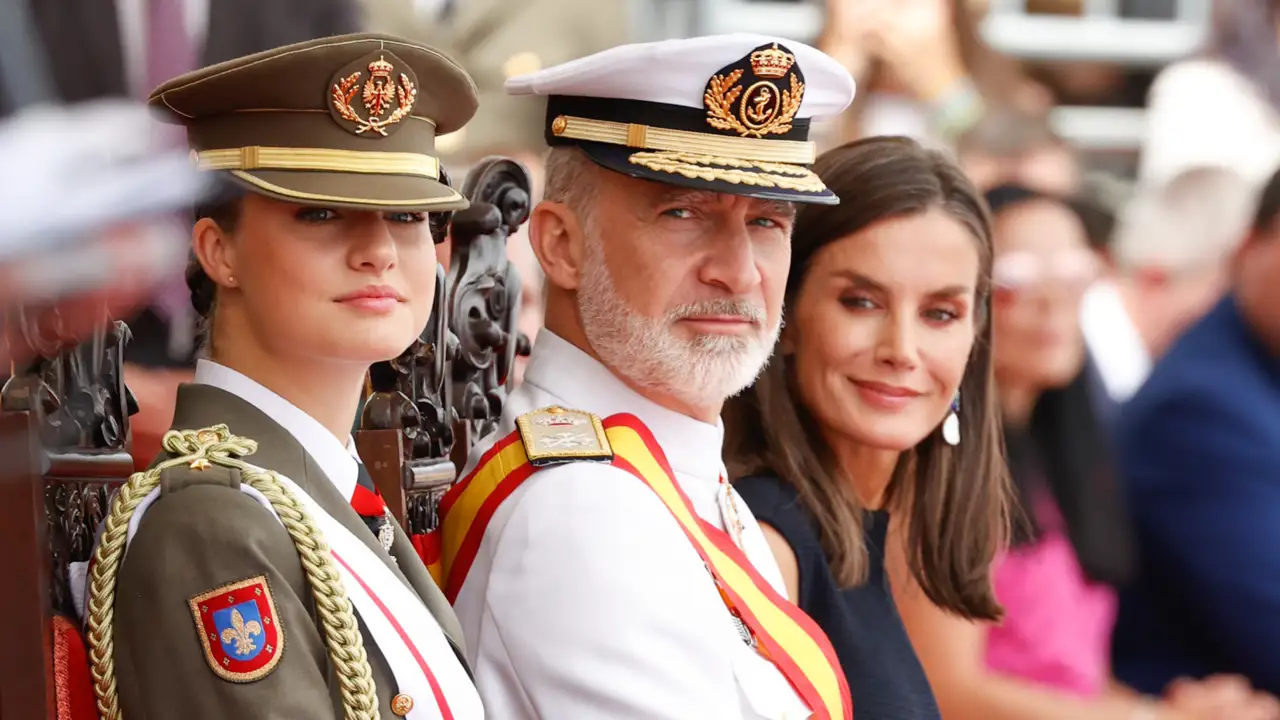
column 958, row 499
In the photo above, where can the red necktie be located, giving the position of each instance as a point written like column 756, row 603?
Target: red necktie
column 368, row 502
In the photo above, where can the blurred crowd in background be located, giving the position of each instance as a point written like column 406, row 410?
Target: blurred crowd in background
column 1125, row 147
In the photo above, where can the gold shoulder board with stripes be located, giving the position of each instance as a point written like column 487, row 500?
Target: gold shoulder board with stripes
column 555, row 435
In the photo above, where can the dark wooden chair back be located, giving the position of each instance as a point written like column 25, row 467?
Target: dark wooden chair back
column 427, row 408
column 64, row 430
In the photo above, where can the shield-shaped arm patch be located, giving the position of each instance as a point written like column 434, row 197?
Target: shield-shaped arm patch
column 239, row 629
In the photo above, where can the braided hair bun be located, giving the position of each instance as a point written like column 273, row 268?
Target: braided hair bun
column 202, row 288
column 223, row 207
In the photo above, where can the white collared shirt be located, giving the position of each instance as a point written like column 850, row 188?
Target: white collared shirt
column 587, row 600
column 1114, row 342
column 338, row 461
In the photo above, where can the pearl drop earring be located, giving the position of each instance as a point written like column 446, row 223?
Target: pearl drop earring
column 951, row 426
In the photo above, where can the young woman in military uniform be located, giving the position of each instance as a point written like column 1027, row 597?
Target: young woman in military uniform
column 235, row 579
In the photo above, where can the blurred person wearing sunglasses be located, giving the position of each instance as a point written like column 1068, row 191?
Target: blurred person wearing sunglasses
column 1200, row 450
column 1044, row 266
column 1048, row 657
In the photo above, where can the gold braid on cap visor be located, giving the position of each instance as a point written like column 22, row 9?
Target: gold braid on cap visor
column 318, row 160
column 701, row 156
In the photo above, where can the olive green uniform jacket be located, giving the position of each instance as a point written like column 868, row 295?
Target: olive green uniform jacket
column 203, row 533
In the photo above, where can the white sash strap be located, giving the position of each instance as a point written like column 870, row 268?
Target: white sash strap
column 421, row 659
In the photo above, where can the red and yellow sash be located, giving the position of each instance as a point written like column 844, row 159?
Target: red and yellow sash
column 785, row 635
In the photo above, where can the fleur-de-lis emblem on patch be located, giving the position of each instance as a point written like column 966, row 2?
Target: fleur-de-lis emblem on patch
column 241, row 633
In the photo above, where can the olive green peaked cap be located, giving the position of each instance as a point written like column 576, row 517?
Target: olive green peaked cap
column 344, row 121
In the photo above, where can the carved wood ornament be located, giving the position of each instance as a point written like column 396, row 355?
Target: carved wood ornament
column 430, row 405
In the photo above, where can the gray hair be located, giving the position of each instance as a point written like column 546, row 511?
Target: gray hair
column 1194, row 220
column 570, row 180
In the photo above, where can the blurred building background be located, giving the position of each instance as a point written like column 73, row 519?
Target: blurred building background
column 1098, row 57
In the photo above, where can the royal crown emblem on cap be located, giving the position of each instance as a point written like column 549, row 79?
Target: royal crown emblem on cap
column 386, row 99
column 772, row 62
column 761, row 108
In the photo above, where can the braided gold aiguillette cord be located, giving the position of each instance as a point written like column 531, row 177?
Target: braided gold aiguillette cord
column 216, row 445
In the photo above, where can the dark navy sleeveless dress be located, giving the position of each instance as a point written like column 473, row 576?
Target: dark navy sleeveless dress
column 885, row 676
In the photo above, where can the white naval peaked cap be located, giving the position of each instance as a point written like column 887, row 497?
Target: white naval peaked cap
column 728, row 113
column 675, row 72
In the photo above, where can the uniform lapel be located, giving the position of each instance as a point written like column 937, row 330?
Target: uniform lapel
column 200, row 406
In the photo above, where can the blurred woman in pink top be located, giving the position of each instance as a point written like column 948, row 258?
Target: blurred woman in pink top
column 1048, row 659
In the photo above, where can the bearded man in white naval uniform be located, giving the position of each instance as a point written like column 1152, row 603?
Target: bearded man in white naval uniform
column 665, row 239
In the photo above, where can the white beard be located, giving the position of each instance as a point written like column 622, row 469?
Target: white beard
column 702, row 371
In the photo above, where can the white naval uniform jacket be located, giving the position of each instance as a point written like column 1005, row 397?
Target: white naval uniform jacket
column 586, row 601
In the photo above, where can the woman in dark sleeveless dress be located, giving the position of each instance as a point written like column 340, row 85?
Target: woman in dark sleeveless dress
column 869, row 449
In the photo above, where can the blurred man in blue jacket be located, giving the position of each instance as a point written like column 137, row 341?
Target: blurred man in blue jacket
column 1200, row 453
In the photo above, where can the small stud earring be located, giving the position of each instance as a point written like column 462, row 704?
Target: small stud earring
column 231, row 280
column 951, row 425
